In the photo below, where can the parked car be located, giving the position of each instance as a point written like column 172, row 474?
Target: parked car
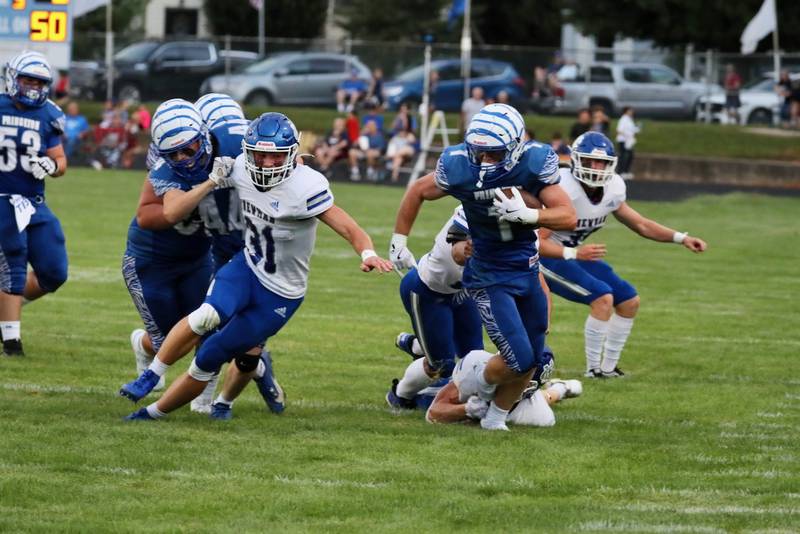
column 760, row 103
column 652, row 89
column 493, row 76
column 296, row 78
column 154, row 70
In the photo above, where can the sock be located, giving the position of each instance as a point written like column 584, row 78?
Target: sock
column 414, row 380
column 495, row 415
column 416, row 348
column 485, row 389
column 9, row 330
column 222, row 400
column 594, row 333
column 158, row 367
column 619, row 328
column 154, row 412
column 261, row 369
column 207, row 395
column 558, row 389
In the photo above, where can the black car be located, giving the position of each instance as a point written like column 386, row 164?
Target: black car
column 153, row 70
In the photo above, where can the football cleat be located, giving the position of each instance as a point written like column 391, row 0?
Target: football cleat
column 143, row 359
column 594, row 373
column 13, row 347
column 396, row 402
column 269, row 388
column 221, row 411
column 140, row 387
column 500, row 425
column 139, row 415
column 574, row 387
column 615, row 373
column 405, row 342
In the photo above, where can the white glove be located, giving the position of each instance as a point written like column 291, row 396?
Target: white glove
column 514, row 209
column 223, row 166
column 476, row 408
column 43, row 166
column 399, row 255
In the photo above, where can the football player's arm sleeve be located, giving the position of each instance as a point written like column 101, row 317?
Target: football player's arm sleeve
column 426, row 188
column 57, row 153
column 560, row 213
column 150, row 212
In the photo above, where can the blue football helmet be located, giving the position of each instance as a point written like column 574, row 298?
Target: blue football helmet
column 499, row 129
column 270, row 133
column 588, row 148
column 181, row 139
column 218, row 109
column 29, row 65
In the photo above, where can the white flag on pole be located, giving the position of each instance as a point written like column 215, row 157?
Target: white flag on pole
column 764, row 23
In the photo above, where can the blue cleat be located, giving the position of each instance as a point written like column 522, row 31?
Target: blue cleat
column 405, row 342
column 221, row 411
column 140, row 387
column 269, row 387
column 396, row 402
column 139, row 415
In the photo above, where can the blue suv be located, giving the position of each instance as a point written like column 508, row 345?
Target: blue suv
column 493, row 76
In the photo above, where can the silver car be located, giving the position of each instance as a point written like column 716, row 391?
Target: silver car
column 296, row 78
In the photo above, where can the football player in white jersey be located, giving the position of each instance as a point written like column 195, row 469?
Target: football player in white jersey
column 259, row 290
column 458, row 401
column 446, row 321
column 578, row 273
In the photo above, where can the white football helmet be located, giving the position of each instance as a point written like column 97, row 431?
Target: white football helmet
column 29, row 65
column 496, row 128
column 218, row 109
column 177, row 126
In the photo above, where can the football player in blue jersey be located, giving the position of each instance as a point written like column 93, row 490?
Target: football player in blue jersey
column 30, row 150
column 260, row 289
column 502, row 275
column 577, row 272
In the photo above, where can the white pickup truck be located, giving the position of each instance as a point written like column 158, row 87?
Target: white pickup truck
column 651, row 89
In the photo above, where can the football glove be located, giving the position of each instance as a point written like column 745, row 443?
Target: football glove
column 223, row 166
column 514, row 209
column 399, row 255
column 42, row 166
column 476, row 408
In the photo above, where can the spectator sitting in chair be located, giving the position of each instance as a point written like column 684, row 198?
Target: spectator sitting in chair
column 76, row 130
column 334, row 147
column 370, row 146
column 404, row 121
column 375, row 91
column 111, row 141
column 350, row 92
column 373, row 114
column 401, row 148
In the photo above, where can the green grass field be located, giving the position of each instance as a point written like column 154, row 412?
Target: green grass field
column 701, row 436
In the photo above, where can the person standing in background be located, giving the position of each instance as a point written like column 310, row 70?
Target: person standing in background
column 626, row 139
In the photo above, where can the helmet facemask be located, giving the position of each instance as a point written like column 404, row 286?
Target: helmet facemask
column 268, row 177
column 497, row 129
column 33, row 66
column 593, row 175
column 190, row 159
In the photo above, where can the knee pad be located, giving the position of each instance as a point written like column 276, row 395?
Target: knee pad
column 204, row 319
column 246, row 363
column 200, row 375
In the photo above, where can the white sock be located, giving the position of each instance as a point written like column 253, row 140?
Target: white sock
column 559, row 389
column 9, row 330
column 416, row 348
column 495, row 415
column 485, row 389
column 158, row 367
column 223, row 400
column 594, row 333
column 414, row 380
column 261, row 369
column 619, row 328
column 208, row 393
column 154, row 412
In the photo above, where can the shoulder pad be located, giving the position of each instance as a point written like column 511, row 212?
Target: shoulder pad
column 543, row 162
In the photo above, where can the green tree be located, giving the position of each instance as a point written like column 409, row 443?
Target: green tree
column 88, row 44
column 716, row 24
column 284, row 18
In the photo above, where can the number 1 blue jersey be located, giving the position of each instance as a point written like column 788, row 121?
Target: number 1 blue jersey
column 23, row 133
column 502, row 250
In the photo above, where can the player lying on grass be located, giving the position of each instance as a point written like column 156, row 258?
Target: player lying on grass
column 458, row 400
column 257, row 292
column 578, row 273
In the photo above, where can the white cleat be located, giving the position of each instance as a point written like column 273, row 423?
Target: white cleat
column 500, row 425
column 202, row 403
column 574, row 387
column 143, row 360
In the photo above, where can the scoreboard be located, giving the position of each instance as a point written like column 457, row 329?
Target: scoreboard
column 41, row 25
